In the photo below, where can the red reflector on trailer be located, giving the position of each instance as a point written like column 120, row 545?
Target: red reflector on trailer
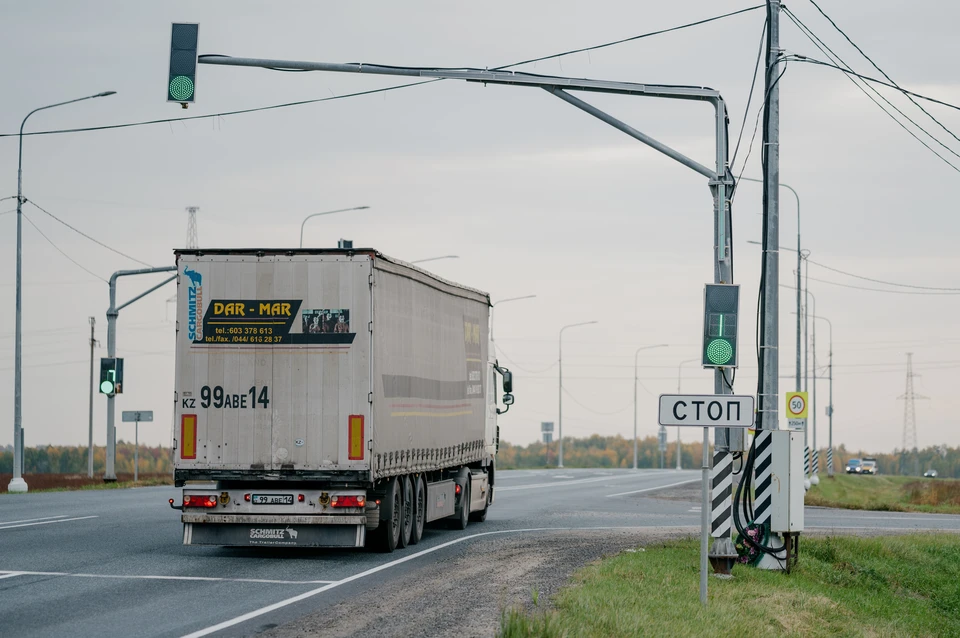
column 348, row 501
column 199, row 501
column 300, row 498
column 246, row 497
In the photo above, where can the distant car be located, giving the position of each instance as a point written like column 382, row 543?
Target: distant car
column 931, row 473
column 868, row 466
column 853, row 466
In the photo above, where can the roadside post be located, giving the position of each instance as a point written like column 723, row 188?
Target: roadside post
column 136, row 416
column 797, row 411
column 706, row 411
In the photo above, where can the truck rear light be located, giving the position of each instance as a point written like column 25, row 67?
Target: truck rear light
column 199, row 500
column 348, row 501
column 300, row 498
column 458, row 489
column 246, row 497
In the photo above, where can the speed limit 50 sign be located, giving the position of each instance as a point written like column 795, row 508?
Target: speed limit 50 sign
column 797, row 405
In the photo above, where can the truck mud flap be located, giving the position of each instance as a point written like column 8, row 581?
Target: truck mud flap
column 240, row 535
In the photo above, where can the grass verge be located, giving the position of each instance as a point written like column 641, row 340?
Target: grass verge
column 842, row 586
column 887, row 494
column 72, row 482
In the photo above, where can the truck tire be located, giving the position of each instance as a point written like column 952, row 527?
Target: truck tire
column 387, row 535
column 419, row 510
column 460, row 522
column 406, row 494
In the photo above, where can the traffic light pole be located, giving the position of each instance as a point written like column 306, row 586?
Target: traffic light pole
column 721, row 183
column 113, row 312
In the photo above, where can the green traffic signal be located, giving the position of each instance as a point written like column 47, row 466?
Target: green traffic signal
column 181, row 88
column 721, row 303
column 106, row 387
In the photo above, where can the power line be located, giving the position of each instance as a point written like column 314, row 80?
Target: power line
column 595, row 411
column 75, row 262
column 753, row 83
column 83, row 234
column 882, row 72
column 373, row 91
column 827, row 51
column 880, row 281
column 892, row 292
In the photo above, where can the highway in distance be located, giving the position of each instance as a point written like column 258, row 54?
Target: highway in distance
column 111, row 563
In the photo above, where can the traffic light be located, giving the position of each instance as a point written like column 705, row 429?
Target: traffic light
column 720, row 305
column 111, row 376
column 181, row 84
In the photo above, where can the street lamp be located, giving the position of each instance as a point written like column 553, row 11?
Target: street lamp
column 329, row 212
column 17, row 484
column 420, row 261
column 661, row 345
column 790, row 188
column 829, row 407
column 560, row 411
column 504, row 301
column 679, row 373
column 813, row 398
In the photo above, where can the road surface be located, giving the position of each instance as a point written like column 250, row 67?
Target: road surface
column 110, row 563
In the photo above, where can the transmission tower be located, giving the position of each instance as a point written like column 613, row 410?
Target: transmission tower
column 192, row 227
column 192, row 241
column 910, row 422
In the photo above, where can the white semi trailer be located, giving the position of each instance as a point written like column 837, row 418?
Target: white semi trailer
column 330, row 398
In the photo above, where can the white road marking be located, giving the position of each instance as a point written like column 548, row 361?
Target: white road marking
column 30, row 520
column 849, row 516
column 650, row 489
column 4, row 574
column 510, row 488
column 313, row 592
column 62, row 520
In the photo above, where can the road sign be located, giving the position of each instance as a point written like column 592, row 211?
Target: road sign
column 707, row 410
column 141, row 416
column 546, row 426
column 797, row 405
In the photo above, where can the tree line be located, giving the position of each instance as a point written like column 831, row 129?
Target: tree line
column 65, row 459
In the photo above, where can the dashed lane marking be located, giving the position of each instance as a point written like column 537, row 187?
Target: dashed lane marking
column 62, row 520
column 650, row 489
column 10, row 574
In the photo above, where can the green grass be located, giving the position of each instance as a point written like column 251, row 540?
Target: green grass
column 842, row 586
column 887, row 493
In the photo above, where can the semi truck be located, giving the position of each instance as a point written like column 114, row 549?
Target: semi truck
column 330, row 398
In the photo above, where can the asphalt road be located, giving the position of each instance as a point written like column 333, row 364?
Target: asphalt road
column 110, row 563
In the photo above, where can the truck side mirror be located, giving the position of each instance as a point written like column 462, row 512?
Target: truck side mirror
column 508, row 399
column 507, row 382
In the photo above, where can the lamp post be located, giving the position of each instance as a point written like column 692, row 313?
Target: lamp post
column 17, row 484
column 790, row 188
column 420, row 261
column 813, row 396
column 679, row 373
column 504, row 301
column 830, row 399
column 560, row 409
column 329, row 212
column 635, row 379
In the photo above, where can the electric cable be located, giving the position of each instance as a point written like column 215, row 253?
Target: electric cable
column 75, row 262
column 882, row 72
column 846, row 67
column 597, row 412
column 372, row 91
column 518, row 366
column 892, row 292
column 83, row 234
column 880, row 281
column 753, row 83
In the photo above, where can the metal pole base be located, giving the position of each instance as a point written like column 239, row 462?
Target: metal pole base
column 109, row 480
column 723, row 555
column 815, row 480
column 17, row 486
column 769, row 562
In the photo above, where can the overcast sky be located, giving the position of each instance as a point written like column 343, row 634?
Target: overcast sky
column 535, row 196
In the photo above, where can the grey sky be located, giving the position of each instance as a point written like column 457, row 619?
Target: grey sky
column 535, row 196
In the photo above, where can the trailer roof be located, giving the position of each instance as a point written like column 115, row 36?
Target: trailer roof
column 291, row 252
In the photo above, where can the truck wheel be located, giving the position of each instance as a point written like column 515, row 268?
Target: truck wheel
column 387, row 535
column 461, row 521
column 408, row 505
column 419, row 510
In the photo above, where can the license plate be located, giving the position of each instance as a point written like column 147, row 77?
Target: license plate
column 273, row 499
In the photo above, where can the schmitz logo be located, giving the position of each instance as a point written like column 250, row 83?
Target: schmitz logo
column 274, row 534
column 194, row 305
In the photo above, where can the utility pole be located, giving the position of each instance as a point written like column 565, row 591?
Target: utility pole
column 560, row 405
column 910, row 422
column 769, row 385
column 93, row 343
column 635, row 381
